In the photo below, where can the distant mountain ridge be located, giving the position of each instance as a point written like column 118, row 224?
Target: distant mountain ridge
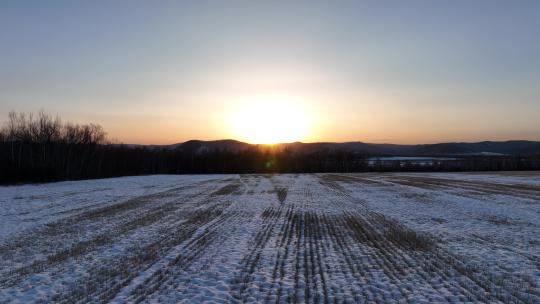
column 511, row 147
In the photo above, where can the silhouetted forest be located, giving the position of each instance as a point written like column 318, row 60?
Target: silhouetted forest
column 40, row 148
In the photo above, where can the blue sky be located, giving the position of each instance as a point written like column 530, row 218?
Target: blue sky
column 377, row 71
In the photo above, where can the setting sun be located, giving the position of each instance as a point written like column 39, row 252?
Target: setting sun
column 270, row 120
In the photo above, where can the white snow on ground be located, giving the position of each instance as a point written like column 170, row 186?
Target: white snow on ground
column 383, row 238
column 23, row 207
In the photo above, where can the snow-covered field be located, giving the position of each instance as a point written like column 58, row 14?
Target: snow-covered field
column 373, row 238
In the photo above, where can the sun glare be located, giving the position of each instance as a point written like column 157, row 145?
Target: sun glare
column 270, row 120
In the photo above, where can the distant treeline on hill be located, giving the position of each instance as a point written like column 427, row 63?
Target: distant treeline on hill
column 40, row 148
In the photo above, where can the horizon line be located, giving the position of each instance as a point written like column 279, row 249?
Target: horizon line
column 331, row 142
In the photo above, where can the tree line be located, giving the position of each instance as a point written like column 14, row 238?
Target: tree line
column 41, row 148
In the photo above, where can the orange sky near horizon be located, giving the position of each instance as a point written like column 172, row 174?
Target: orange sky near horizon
column 374, row 123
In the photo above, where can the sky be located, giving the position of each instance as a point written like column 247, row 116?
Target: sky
column 161, row 72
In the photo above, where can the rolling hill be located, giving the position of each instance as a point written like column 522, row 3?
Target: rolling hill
column 487, row 148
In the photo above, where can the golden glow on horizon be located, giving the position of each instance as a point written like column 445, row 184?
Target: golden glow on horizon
column 270, row 120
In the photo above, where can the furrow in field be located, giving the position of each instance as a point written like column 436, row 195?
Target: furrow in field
column 66, row 232
column 271, row 217
column 160, row 215
column 115, row 222
column 111, row 276
column 396, row 246
column 183, row 256
column 433, row 183
column 309, row 238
